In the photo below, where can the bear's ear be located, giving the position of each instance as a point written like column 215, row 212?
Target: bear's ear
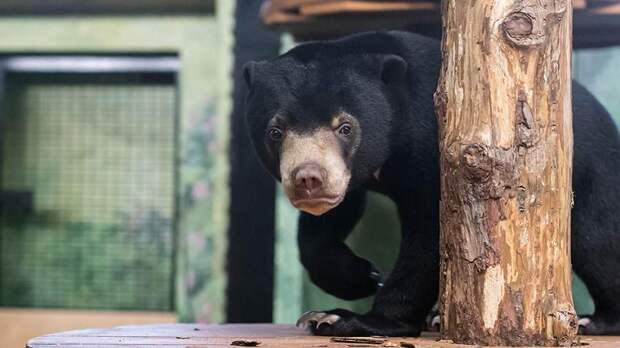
column 393, row 67
column 249, row 72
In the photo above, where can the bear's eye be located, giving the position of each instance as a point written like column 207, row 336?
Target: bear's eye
column 344, row 129
column 275, row 134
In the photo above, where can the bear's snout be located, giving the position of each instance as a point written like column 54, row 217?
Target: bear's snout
column 309, row 179
column 313, row 171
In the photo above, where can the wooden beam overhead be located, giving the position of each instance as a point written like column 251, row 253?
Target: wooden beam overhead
column 334, row 7
column 597, row 22
column 608, row 10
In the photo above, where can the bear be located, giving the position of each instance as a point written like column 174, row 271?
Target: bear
column 332, row 120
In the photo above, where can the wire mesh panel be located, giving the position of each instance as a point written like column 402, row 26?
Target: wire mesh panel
column 94, row 154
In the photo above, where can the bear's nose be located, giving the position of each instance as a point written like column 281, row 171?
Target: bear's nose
column 309, row 177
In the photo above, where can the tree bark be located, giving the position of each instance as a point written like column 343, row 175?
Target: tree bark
column 505, row 127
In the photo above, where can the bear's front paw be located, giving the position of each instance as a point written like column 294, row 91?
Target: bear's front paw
column 341, row 322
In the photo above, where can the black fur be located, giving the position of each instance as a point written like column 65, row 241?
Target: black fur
column 386, row 80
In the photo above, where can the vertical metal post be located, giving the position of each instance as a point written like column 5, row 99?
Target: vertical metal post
column 251, row 233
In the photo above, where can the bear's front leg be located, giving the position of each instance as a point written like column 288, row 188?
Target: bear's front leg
column 332, row 266
column 401, row 305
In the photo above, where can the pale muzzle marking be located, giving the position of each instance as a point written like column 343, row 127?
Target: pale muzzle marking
column 319, row 147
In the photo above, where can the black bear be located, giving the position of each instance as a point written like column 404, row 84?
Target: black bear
column 334, row 119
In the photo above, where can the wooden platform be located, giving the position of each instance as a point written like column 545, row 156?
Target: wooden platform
column 261, row 335
column 596, row 22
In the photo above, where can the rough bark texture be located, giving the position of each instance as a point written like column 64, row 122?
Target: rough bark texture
column 505, row 118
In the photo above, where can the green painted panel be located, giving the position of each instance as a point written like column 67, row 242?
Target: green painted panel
column 581, row 297
column 288, row 270
column 204, row 45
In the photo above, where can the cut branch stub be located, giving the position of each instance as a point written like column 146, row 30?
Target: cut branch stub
column 528, row 25
column 519, row 29
column 478, row 165
column 489, row 171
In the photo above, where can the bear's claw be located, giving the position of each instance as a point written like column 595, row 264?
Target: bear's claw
column 436, row 323
column 598, row 325
column 375, row 275
column 315, row 319
column 584, row 321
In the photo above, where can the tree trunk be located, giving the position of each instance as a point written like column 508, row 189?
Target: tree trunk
column 505, row 127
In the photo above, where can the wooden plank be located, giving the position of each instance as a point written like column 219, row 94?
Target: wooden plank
column 351, row 6
column 579, row 4
column 608, row 10
column 200, row 335
column 321, row 7
column 592, row 29
column 295, row 21
column 273, row 15
column 295, row 4
column 289, row 4
column 295, row 11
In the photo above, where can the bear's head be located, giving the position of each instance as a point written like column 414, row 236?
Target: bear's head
column 321, row 120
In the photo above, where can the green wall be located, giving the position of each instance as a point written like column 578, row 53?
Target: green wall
column 203, row 44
